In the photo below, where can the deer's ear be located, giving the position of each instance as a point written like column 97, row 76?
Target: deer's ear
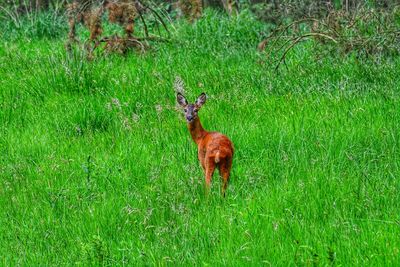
column 181, row 100
column 201, row 100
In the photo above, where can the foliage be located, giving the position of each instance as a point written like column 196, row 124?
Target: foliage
column 285, row 11
column 191, row 9
column 35, row 25
column 215, row 32
column 366, row 33
column 122, row 12
column 97, row 166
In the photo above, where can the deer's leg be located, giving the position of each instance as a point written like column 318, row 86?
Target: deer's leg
column 225, row 172
column 203, row 165
column 202, row 160
column 210, row 167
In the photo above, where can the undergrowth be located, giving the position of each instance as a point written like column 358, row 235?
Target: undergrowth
column 97, row 166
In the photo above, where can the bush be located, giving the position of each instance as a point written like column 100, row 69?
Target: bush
column 278, row 12
column 367, row 33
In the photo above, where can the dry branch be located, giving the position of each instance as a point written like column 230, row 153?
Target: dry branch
column 366, row 33
column 122, row 12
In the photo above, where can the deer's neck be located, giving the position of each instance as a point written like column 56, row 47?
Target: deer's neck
column 196, row 130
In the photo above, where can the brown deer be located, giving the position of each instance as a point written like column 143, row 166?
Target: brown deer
column 214, row 149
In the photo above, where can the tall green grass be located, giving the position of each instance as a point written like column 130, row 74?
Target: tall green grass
column 36, row 25
column 97, row 166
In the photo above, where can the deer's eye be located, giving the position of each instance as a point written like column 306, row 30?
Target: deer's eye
column 185, row 109
column 195, row 110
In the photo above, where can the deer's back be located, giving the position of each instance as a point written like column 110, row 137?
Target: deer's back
column 215, row 142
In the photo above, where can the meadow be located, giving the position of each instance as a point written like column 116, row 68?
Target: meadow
column 97, row 166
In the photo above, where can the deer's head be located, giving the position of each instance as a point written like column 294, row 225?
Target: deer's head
column 191, row 110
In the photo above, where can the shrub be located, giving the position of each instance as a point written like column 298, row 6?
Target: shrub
column 366, row 33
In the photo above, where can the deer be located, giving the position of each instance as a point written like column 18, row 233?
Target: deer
column 214, row 150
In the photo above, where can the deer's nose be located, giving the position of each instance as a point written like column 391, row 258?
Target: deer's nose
column 189, row 117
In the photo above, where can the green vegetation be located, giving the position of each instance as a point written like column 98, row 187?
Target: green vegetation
column 97, row 166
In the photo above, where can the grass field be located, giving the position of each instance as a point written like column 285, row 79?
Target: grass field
column 97, row 166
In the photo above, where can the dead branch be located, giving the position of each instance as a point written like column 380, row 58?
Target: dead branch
column 122, row 12
column 156, row 14
column 299, row 39
column 146, row 31
column 365, row 32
